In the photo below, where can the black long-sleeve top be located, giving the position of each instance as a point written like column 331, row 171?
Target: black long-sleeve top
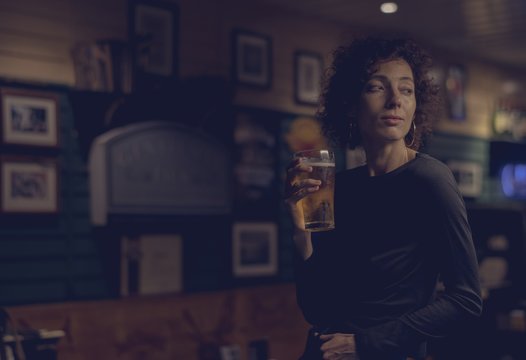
column 375, row 275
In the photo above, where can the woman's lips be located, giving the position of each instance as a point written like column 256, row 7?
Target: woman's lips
column 392, row 120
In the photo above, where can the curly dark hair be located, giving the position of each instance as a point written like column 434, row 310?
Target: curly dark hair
column 351, row 68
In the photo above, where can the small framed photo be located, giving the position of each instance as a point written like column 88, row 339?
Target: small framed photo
column 29, row 118
column 252, row 54
column 29, row 185
column 468, row 176
column 230, row 352
column 153, row 32
column 255, row 248
column 151, row 264
column 456, row 82
column 308, row 70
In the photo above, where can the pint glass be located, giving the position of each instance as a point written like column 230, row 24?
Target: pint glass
column 318, row 207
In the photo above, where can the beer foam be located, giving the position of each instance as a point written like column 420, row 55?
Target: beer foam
column 318, row 163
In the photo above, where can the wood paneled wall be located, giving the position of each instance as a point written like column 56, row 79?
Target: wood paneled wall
column 50, row 258
column 160, row 328
column 36, row 38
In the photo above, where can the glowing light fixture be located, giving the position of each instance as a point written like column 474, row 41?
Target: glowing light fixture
column 513, row 180
column 389, row 7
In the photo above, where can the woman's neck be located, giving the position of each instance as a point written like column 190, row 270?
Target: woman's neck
column 384, row 159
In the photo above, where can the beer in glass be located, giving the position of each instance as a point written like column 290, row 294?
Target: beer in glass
column 318, row 207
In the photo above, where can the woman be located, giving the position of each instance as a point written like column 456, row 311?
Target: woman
column 368, row 287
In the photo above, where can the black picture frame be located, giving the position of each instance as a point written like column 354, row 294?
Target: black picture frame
column 251, row 58
column 254, row 249
column 308, row 72
column 154, row 38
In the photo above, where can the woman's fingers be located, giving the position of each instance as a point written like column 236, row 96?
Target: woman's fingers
column 337, row 356
column 301, row 188
column 295, row 168
column 309, row 183
column 296, row 189
column 338, row 346
column 297, row 186
column 325, row 337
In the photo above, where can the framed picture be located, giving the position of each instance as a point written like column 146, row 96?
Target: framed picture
column 230, row 352
column 29, row 185
column 456, row 82
column 308, row 70
column 252, row 55
column 151, row 264
column 154, row 31
column 468, row 176
column 509, row 121
column 29, row 118
column 254, row 250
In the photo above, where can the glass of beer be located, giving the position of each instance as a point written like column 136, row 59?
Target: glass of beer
column 318, row 207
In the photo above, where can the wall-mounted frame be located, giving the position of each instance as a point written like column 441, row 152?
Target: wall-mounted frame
column 510, row 121
column 153, row 33
column 255, row 249
column 230, row 352
column 29, row 118
column 468, row 175
column 456, row 82
column 251, row 54
column 308, row 70
column 29, row 185
column 151, row 264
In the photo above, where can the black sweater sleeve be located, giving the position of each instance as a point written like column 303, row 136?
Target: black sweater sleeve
column 313, row 278
column 461, row 299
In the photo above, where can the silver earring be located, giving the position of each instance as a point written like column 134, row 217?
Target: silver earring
column 413, row 137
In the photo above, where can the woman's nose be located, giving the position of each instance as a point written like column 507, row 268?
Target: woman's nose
column 394, row 100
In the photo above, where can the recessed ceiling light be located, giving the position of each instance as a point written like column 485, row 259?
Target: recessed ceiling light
column 389, row 7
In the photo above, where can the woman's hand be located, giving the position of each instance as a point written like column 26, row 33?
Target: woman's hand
column 339, row 346
column 296, row 189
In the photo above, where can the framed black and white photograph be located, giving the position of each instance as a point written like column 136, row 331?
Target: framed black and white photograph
column 308, row 70
column 468, row 176
column 29, row 118
column 154, row 29
column 255, row 249
column 29, row 185
column 252, row 54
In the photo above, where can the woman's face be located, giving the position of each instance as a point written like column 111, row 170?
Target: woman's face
column 387, row 103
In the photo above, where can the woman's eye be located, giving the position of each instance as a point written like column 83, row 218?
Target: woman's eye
column 374, row 88
column 407, row 91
